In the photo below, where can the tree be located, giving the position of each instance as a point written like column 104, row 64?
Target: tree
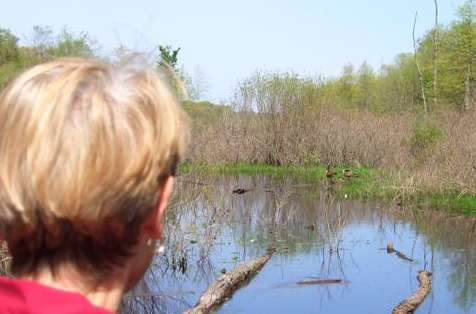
column 9, row 56
column 365, row 86
column 47, row 46
column 168, row 57
column 68, row 44
column 41, row 42
column 466, row 35
column 8, row 46
column 420, row 73
column 435, row 56
column 398, row 84
column 346, row 85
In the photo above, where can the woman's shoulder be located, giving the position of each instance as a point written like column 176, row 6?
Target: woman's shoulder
column 24, row 296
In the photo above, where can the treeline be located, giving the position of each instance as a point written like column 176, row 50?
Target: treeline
column 447, row 51
column 44, row 45
column 446, row 55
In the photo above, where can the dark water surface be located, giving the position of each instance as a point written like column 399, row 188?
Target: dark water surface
column 316, row 236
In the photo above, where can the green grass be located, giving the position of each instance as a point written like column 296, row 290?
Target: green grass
column 314, row 173
column 451, row 202
column 363, row 185
column 368, row 183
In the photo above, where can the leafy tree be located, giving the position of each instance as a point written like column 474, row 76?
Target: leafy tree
column 70, row 45
column 398, row 84
column 466, row 48
column 8, row 46
column 9, row 56
column 168, row 57
column 365, row 86
column 346, row 85
column 46, row 46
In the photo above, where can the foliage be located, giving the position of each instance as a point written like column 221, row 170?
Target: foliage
column 168, row 57
column 9, row 56
column 426, row 135
column 204, row 111
column 45, row 46
column 8, row 47
column 69, row 44
column 393, row 87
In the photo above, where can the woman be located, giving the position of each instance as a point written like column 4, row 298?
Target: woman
column 88, row 154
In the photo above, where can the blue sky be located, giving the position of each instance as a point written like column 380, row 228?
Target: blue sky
column 229, row 40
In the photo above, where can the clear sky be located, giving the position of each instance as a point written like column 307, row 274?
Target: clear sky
column 229, row 40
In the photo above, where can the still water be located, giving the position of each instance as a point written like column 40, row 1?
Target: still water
column 317, row 236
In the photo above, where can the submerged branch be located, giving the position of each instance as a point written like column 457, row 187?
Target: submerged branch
column 318, row 282
column 411, row 303
column 391, row 250
column 219, row 291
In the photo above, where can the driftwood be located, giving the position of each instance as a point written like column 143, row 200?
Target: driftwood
column 411, row 303
column 219, row 291
column 391, row 250
column 318, row 282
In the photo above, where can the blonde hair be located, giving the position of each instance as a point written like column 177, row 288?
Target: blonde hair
column 84, row 146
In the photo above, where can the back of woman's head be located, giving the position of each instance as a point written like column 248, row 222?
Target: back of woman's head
column 84, row 148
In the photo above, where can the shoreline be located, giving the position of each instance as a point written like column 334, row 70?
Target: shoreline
column 365, row 184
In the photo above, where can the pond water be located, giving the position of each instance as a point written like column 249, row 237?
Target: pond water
column 316, row 236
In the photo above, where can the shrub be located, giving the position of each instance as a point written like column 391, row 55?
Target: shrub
column 425, row 136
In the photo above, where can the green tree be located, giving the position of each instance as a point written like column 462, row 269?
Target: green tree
column 68, row 44
column 398, row 84
column 365, row 87
column 346, row 86
column 168, row 57
column 47, row 46
column 9, row 56
column 8, row 46
column 465, row 29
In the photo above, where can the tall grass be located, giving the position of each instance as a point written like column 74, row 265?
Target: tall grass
column 282, row 119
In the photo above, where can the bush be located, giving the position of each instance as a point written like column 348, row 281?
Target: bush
column 426, row 135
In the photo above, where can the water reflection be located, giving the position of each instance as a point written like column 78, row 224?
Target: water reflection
column 210, row 230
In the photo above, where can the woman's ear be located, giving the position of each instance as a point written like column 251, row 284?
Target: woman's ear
column 153, row 224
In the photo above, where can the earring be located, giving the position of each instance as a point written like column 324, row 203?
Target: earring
column 161, row 249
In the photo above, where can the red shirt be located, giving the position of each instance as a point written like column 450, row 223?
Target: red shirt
column 26, row 297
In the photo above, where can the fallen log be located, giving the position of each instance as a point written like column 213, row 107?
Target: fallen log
column 240, row 191
column 222, row 289
column 410, row 304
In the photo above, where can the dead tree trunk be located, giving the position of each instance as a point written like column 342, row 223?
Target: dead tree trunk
column 435, row 56
column 420, row 74
column 219, row 291
column 410, row 304
column 468, row 90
